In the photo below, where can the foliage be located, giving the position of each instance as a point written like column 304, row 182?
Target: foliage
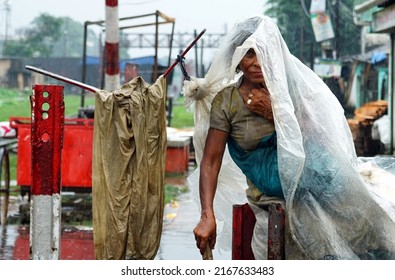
column 295, row 25
column 70, row 43
column 172, row 192
column 51, row 36
column 37, row 40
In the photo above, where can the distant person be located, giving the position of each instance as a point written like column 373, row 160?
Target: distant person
column 131, row 72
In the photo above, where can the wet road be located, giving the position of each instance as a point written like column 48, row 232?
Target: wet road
column 177, row 242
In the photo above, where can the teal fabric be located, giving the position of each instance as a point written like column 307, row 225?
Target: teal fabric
column 260, row 165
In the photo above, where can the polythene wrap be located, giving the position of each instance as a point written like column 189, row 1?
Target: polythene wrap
column 332, row 212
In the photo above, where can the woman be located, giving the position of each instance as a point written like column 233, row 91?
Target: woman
column 241, row 115
column 306, row 153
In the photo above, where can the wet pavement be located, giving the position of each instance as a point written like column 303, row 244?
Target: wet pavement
column 177, row 241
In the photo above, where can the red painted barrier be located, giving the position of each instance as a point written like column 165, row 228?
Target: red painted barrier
column 46, row 139
column 76, row 153
column 177, row 155
column 243, row 227
column 276, row 233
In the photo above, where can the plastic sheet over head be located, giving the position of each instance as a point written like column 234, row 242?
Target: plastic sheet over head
column 331, row 210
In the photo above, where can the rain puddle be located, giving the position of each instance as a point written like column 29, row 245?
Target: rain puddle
column 177, row 241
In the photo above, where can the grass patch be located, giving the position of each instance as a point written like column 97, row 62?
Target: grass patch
column 181, row 118
column 172, row 192
column 16, row 103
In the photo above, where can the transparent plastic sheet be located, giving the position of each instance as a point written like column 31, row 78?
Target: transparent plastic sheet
column 379, row 173
column 381, row 131
column 332, row 212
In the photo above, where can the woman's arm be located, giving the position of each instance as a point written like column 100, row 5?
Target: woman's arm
column 205, row 231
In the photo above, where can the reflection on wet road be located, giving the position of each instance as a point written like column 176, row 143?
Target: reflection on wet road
column 177, row 242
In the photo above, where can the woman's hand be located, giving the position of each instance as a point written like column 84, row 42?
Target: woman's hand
column 206, row 231
column 260, row 103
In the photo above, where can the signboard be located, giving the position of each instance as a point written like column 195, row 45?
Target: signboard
column 384, row 20
column 317, row 6
column 322, row 27
column 327, row 69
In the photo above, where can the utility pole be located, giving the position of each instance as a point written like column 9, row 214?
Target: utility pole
column 7, row 9
column 301, row 49
column 336, row 53
column 7, row 25
column 112, row 77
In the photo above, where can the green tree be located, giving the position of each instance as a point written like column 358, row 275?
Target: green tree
column 70, row 42
column 294, row 22
column 50, row 36
column 37, row 40
column 295, row 27
column 349, row 34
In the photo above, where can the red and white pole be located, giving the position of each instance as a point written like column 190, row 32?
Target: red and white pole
column 112, row 77
column 47, row 128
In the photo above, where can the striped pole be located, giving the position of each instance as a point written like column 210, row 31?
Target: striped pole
column 46, row 143
column 112, row 78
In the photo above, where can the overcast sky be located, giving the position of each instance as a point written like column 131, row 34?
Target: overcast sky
column 216, row 16
column 190, row 15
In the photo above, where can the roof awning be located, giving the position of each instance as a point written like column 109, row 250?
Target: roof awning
column 367, row 5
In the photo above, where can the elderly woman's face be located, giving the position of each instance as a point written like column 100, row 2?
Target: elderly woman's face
column 250, row 67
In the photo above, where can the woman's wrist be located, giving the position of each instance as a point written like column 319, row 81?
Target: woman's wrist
column 207, row 213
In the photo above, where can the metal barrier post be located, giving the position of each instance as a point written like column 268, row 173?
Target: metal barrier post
column 47, row 127
column 276, row 233
column 242, row 230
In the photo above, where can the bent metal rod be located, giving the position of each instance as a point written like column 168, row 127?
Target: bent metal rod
column 62, row 78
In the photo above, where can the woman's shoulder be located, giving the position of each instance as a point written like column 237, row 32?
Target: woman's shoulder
column 228, row 89
column 224, row 95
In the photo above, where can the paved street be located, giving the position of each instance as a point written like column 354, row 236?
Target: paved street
column 178, row 242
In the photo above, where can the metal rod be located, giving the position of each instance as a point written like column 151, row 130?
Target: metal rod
column 184, row 52
column 83, row 72
column 208, row 253
column 62, row 78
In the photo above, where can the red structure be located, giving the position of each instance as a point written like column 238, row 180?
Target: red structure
column 47, row 107
column 76, row 154
column 177, row 155
column 46, row 139
column 276, row 233
column 243, row 227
